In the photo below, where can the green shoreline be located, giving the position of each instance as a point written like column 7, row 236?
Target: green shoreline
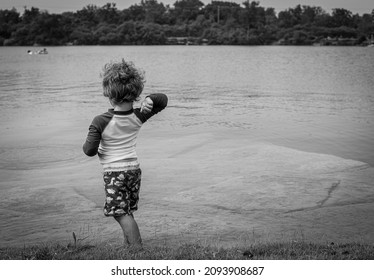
column 193, row 251
column 186, row 22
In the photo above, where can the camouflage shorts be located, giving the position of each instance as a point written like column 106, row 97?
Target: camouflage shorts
column 122, row 192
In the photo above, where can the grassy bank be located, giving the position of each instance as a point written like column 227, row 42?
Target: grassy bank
column 193, row 251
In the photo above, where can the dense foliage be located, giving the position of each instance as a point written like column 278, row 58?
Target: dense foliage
column 188, row 21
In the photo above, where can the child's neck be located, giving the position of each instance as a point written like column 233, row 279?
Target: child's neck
column 125, row 106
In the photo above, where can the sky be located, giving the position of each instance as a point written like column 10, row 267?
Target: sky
column 59, row 6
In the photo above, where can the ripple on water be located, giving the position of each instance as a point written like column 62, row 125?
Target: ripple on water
column 28, row 158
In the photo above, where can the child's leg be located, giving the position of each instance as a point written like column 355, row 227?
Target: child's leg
column 130, row 229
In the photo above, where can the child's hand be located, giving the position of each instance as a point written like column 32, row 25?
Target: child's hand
column 146, row 106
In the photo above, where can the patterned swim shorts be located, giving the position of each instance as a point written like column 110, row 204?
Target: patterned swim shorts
column 122, row 192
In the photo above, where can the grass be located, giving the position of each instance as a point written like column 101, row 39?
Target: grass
column 192, row 251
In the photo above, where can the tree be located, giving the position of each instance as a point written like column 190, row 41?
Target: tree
column 46, row 29
column 83, row 36
column 8, row 22
column 221, row 11
column 323, row 19
column 106, row 34
column 270, row 16
column 9, row 16
column 154, row 11
column 342, row 17
column 88, row 15
column 291, row 17
column 151, row 22
column 310, row 14
column 151, row 34
column 185, row 10
column 29, row 15
column 249, row 15
column 135, row 13
column 127, row 31
column 108, row 13
column 366, row 25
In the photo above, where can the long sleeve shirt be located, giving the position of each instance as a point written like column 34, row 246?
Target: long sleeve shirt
column 112, row 135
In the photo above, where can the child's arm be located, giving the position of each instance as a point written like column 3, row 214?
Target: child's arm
column 158, row 102
column 91, row 145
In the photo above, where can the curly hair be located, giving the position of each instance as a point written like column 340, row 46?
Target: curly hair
column 122, row 82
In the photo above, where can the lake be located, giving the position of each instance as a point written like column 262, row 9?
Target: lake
column 238, row 118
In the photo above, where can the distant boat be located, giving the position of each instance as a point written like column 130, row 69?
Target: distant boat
column 43, row 51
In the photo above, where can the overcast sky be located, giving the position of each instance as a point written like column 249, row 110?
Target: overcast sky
column 59, row 6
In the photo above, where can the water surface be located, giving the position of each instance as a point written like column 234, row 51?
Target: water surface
column 312, row 98
column 257, row 143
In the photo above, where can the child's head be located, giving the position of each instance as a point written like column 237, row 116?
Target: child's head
column 122, row 82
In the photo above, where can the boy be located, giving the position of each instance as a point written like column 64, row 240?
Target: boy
column 112, row 135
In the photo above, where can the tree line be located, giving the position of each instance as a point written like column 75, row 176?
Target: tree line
column 186, row 21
